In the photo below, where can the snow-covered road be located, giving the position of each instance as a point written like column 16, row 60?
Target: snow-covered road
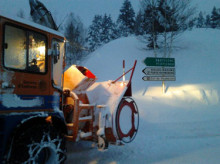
column 165, row 143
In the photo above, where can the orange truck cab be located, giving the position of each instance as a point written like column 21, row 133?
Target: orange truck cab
column 31, row 84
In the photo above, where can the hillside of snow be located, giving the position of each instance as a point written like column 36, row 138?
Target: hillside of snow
column 197, row 68
column 178, row 126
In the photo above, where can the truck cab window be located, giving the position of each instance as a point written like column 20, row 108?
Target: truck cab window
column 24, row 50
column 15, row 51
column 37, row 47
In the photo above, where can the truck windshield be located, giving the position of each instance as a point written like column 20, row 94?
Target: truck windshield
column 58, row 60
column 24, row 50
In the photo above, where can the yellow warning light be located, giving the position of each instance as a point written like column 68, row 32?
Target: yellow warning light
column 49, row 119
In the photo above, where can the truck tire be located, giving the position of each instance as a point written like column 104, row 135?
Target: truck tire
column 40, row 144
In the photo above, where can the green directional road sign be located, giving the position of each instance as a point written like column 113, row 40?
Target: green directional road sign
column 164, row 62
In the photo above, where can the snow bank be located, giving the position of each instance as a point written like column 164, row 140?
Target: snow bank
column 197, row 69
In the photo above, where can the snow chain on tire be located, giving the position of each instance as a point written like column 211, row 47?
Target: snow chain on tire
column 40, row 144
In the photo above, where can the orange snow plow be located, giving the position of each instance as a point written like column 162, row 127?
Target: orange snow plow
column 99, row 111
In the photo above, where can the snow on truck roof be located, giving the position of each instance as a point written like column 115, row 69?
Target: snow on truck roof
column 30, row 23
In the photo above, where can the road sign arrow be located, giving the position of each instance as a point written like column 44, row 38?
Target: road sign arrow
column 159, row 71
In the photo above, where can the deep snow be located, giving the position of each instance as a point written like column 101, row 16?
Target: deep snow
column 180, row 126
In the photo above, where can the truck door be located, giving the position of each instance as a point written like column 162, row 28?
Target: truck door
column 25, row 75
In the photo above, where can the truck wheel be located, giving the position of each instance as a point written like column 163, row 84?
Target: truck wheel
column 41, row 144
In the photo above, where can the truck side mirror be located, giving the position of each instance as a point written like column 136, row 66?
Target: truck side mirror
column 56, row 52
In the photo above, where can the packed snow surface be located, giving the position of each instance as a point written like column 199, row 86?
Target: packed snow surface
column 178, row 126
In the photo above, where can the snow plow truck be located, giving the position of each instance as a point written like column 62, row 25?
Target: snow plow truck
column 43, row 105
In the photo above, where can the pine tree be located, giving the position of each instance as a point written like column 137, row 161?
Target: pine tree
column 215, row 18
column 126, row 18
column 208, row 21
column 167, row 18
column 200, row 20
column 109, row 31
column 75, row 34
column 151, row 24
column 175, row 20
column 94, row 33
column 192, row 23
column 102, row 31
column 174, row 15
column 138, row 27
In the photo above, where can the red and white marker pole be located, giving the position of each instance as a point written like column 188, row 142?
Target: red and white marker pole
column 123, row 70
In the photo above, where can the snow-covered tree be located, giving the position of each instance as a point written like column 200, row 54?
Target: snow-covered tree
column 102, row 31
column 169, row 18
column 126, row 19
column 179, row 14
column 138, row 26
column 151, row 24
column 166, row 19
column 215, row 18
column 200, row 20
column 174, row 15
column 192, row 23
column 109, row 31
column 208, row 21
column 94, row 33
column 75, row 34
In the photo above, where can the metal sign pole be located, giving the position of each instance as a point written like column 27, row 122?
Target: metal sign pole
column 163, row 86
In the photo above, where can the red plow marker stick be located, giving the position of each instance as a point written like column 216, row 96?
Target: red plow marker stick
column 133, row 68
column 124, row 70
